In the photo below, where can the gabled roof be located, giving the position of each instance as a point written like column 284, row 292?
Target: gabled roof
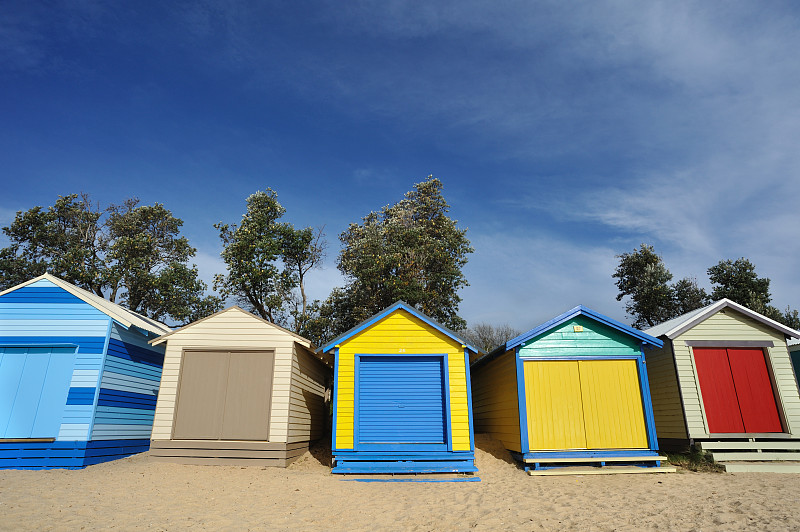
column 677, row 326
column 580, row 310
column 303, row 341
column 126, row 318
column 385, row 312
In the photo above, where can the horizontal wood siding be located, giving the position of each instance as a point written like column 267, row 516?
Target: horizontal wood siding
column 667, row 406
column 230, row 329
column 403, row 334
column 45, row 314
column 307, row 412
column 495, row 404
column 128, row 386
column 596, row 340
column 729, row 325
column 236, row 453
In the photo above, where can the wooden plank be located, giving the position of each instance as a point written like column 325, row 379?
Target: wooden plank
column 723, row 456
column 226, row 453
column 607, row 470
column 221, row 444
column 239, row 462
column 762, row 467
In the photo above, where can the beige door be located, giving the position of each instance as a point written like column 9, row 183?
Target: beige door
column 224, row 395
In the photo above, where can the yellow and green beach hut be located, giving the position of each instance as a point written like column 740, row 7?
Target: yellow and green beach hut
column 573, row 390
column 401, row 401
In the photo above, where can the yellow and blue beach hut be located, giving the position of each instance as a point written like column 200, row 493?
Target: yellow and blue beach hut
column 401, row 401
column 573, row 390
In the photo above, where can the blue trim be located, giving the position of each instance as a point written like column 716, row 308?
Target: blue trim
column 647, row 402
column 86, row 344
column 522, row 403
column 446, row 391
column 469, row 402
column 588, row 454
column 66, row 454
column 404, row 462
column 382, row 314
column 356, row 397
column 96, row 401
column 580, row 357
column 464, row 479
column 336, row 399
column 589, row 313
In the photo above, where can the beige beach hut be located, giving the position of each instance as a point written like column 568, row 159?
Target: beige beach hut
column 724, row 382
column 238, row 390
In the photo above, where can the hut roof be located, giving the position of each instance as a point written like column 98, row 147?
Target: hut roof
column 677, row 326
column 385, row 312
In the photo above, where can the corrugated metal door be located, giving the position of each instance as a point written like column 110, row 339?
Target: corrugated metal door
column 34, row 383
column 737, row 391
column 612, row 404
column 224, row 396
column 555, row 407
column 401, row 400
column 584, row 404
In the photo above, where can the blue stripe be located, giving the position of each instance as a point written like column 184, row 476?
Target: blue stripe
column 135, row 353
column 86, row 344
column 36, row 294
column 122, row 399
column 81, row 396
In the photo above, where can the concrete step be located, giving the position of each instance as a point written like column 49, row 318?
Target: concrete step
column 745, row 445
column 755, row 456
column 761, row 467
column 606, row 470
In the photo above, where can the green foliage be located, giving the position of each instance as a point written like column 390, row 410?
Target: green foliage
column 129, row 253
column 252, row 249
column 411, row 251
column 695, row 460
column 487, row 337
column 642, row 276
column 737, row 281
column 301, row 251
column 687, row 296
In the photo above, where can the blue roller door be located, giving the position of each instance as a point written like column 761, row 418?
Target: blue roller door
column 34, row 383
column 401, row 401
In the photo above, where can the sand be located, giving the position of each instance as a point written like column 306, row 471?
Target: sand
column 138, row 493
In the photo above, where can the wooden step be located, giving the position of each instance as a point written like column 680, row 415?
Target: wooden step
column 594, row 459
column 607, row 470
column 761, row 467
column 755, row 456
column 744, row 445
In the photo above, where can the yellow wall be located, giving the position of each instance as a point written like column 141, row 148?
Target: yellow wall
column 495, row 404
column 401, row 333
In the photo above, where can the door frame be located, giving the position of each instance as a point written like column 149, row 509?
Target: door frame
column 772, row 381
column 644, row 393
column 226, row 350
column 448, row 444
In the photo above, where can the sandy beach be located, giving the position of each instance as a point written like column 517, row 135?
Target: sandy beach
column 139, row 493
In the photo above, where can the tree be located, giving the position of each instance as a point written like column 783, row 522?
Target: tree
column 251, row 253
column 301, row 251
column 486, row 337
column 409, row 251
column 737, row 281
column 687, row 296
column 128, row 253
column 642, row 276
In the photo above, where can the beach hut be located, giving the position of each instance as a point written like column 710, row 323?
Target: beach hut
column 78, row 381
column 572, row 391
column 238, row 390
column 723, row 381
column 401, row 400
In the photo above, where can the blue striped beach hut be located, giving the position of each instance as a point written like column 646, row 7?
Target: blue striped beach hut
column 78, row 380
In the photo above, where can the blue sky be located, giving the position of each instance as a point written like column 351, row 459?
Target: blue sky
column 564, row 134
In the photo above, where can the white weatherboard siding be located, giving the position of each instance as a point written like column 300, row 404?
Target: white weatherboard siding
column 307, row 397
column 729, row 325
column 230, row 329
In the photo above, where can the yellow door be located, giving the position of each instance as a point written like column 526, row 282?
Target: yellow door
column 555, row 414
column 612, row 404
column 586, row 404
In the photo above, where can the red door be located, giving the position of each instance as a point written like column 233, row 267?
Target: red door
column 737, row 392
